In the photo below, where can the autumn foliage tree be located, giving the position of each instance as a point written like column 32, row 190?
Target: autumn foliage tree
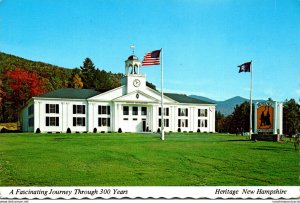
column 77, row 82
column 19, row 86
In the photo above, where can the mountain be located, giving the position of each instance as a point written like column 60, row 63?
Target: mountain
column 225, row 107
column 203, row 98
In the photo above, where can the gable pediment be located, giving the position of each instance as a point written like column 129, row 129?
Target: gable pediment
column 137, row 96
column 109, row 95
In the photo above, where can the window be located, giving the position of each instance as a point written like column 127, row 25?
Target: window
column 125, row 110
column 102, row 110
column 202, row 123
column 166, row 111
column 135, row 110
column 52, row 108
column 104, row 122
column 31, row 122
column 183, row 122
column 182, row 112
column 166, row 122
column 30, row 110
column 52, row 121
column 134, row 119
column 125, row 119
column 78, row 121
column 202, row 112
column 78, row 109
column 144, row 111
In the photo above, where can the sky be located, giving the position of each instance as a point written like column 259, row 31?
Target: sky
column 203, row 41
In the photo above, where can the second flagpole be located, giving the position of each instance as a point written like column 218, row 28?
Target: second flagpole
column 250, row 128
column 162, row 97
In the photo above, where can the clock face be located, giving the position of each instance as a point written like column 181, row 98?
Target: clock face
column 136, row 82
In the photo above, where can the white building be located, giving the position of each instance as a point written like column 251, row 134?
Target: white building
column 132, row 107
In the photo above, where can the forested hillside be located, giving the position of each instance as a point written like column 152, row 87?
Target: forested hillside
column 21, row 79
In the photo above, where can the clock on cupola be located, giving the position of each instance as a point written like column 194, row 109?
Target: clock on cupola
column 134, row 79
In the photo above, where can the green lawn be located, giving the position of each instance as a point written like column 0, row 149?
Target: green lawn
column 144, row 160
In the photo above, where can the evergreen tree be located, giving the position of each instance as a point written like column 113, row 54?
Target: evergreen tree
column 88, row 73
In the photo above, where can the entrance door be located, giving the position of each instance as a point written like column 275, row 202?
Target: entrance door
column 144, row 126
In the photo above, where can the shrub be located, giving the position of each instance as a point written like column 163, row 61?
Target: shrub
column 68, row 130
column 119, row 130
column 3, row 130
column 95, row 130
column 38, row 130
column 198, row 131
column 179, row 130
column 158, row 130
column 190, row 131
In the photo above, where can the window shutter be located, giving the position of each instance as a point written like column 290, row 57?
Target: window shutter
column 186, row 112
column 47, row 108
column 74, row 121
column 108, row 110
column 83, row 121
column 159, row 111
column 99, row 122
column 74, row 111
column 179, row 123
column 108, row 122
column 57, row 121
column 99, row 110
column 57, row 108
column 179, row 112
column 47, row 121
column 167, row 111
column 186, row 123
column 83, row 109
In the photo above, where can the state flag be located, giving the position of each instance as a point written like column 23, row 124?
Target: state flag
column 245, row 67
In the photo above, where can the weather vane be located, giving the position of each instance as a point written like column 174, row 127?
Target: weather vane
column 132, row 48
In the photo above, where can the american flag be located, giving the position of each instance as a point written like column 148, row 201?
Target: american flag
column 151, row 58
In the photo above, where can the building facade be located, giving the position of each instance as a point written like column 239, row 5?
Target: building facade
column 132, row 107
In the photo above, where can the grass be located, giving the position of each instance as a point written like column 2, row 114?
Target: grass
column 144, row 160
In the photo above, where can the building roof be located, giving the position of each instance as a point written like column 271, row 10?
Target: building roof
column 70, row 93
column 74, row 93
column 182, row 98
column 133, row 57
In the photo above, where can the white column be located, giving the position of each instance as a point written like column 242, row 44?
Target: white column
column 275, row 117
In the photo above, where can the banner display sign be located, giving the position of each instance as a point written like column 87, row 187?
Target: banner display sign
column 268, row 117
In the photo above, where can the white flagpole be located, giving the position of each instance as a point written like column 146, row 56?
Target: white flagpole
column 162, row 97
column 250, row 129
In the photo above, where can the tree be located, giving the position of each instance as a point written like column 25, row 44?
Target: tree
column 88, row 73
column 220, row 122
column 19, row 86
column 77, row 82
column 291, row 117
column 237, row 121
